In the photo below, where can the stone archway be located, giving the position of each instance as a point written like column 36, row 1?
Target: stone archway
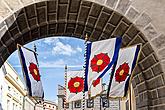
column 24, row 21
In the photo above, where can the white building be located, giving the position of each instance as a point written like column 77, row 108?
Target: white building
column 13, row 94
column 49, row 105
column 98, row 103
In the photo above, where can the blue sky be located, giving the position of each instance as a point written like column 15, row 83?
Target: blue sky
column 53, row 54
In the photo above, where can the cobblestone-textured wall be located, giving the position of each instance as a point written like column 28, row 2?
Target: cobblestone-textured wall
column 22, row 21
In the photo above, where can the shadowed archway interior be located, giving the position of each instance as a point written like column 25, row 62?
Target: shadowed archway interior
column 75, row 18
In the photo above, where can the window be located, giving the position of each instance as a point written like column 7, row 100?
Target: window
column 90, row 103
column 63, row 103
column 77, row 104
column 105, row 102
column 8, row 104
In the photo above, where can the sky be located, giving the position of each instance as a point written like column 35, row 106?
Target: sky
column 53, row 54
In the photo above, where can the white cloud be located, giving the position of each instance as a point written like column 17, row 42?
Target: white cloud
column 79, row 49
column 51, row 41
column 63, row 49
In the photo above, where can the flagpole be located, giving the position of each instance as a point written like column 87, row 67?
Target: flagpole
column 130, row 98
column 85, row 43
column 65, row 78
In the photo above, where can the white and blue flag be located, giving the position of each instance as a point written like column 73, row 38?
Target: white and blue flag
column 122, row 71
column 100, row 56
column 31, row 72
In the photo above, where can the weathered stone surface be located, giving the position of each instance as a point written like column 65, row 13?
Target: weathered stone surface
column 95, row 11
column 149, row 61
column 2, row 31
column 120, row 29
column 13, row 4
column 111, row 3
column 141, row 87
column 26, row 2
column 115, row 19
column 148, row 74
column 155, row 82
column 132, row 13
column 150, row 32
column 147, row 49
column 161, row 92
column 161, row 54
column 132, row 31
column 153, row 94
column 157, row 69
column 143, row 20
column 159, row 42
column 123, row 6
column 4, row 11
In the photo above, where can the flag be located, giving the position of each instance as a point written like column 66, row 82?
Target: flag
column 100, row 56
column 122, row 72
column 96, row 87
column 31, row 72
column 75, row 86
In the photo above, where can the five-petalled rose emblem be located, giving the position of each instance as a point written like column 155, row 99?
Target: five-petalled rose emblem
column 76, row 84
column 122, row 72
column 99, row 62
column 34, row 71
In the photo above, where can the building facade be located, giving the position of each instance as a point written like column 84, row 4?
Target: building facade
column 99, row 103
column 49, row 105
column 13, row 93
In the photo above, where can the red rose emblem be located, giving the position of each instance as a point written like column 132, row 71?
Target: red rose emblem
column 122, row 72
column 96, row 82
column 99, row 62
column 76, row 84
column 34, row 71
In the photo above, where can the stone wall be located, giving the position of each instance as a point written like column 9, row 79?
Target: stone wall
column 137, row 21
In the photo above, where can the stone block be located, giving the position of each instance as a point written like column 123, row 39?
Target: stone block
column 109, row 28
column 141, row 57
column 96, row 34
column 95, row 10
column 52, row 6
column 155, row 82
column 22, row 23
column 41, row 13
column 91, row 21
column 32, row 22
column 27, row 2
column 14, row 4
column 12, row 47
column 159, row 42
column 26, row 37
column 141, row 87
column 111, row 3
column 161, row 54
column 161, row 92
column 147, row 49
column 2, row 31
column 103, row 19
column 30, row 11
column 158, row 101
column 138, row 39
column 153, row 94
column 132, row 13
column 43, row 30
column 132, row 31
column 74, row 6
column 150, row 32
column 148, row 74
column 157, row 69
column 9, row 21
column 4, row 11
column 84, row 11
column 41, row 4
column 143, row 20
column 121, row 29
column 141, row 77
column 147, row 62
column 123, row 6
column 115, row 19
